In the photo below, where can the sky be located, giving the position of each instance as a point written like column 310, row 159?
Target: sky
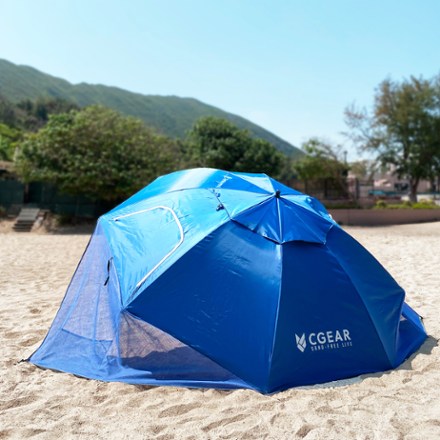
column 290, row 66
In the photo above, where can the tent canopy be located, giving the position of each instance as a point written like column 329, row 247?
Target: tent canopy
column 218, row 279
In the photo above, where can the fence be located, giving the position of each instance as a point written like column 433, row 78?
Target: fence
column 11, row 193
column 47, row 196
column 322, row 189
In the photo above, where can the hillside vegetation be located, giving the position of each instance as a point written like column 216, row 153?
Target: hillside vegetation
column 170, row 115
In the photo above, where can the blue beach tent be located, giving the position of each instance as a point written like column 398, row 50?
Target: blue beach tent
column 207, row 278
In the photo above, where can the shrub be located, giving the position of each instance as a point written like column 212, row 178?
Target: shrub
column 423, row 204
column 380, row 204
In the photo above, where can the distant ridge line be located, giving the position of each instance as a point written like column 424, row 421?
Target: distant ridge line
column 170, row 115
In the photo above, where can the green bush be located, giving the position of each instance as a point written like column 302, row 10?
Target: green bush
column 423, row 204
column 380, row 204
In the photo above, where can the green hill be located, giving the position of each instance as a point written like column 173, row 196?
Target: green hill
column 171, row 115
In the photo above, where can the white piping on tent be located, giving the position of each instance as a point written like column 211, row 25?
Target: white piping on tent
column 182, row 236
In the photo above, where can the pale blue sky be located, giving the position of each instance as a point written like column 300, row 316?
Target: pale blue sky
column 290, row 66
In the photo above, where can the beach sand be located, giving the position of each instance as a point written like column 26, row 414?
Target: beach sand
column 35, row 270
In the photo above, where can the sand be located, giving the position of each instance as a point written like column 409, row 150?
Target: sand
column 400, row 404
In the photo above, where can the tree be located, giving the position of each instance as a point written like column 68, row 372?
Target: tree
column 7, row 112
column 95, row 152
column 217, row 143
column 32, row 115
column 403, row 129
column 364, row 169
column 322, row 161
column 8, row 138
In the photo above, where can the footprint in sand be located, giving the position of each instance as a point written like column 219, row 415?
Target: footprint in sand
column 177, row 410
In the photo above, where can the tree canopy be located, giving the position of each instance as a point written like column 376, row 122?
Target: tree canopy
column 403, row 128
column 217, row 143
column 95, row 152
column 321, row 161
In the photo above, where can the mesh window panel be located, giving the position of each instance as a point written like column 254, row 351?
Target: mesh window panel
column 145, row 347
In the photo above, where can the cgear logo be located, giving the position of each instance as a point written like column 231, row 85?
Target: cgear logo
column 301, row 342
column 324, row 340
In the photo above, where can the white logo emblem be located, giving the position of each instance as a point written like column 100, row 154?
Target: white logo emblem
column 301, row 342
column 324, row 340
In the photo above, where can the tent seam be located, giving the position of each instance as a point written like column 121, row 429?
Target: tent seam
column 117, row 327
column 278, row 313
column 306, row 225
column 253, row 184
column 362, row 302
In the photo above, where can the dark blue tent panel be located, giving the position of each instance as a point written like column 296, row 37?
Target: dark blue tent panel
column 208, row 278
